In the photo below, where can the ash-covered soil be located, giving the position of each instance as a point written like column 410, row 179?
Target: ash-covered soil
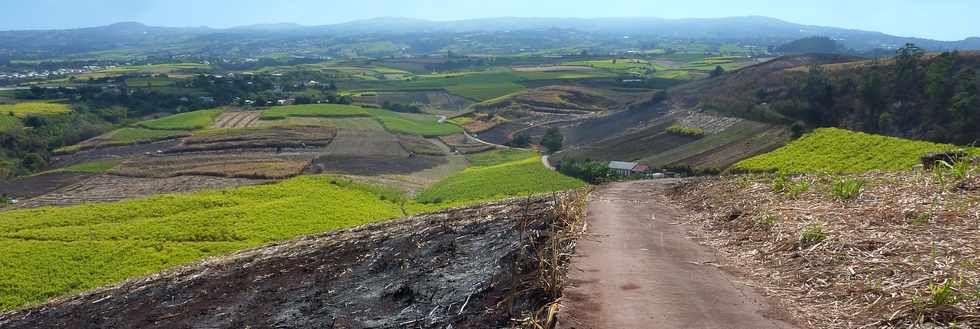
column 464, row 268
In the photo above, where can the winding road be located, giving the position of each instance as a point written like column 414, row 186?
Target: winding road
column 637, row 268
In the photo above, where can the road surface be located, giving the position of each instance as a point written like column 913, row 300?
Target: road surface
column 637, row 268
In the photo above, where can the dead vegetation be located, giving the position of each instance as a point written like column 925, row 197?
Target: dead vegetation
column 495, row 265
column 420, row 146
column 237, row 119
column 870, row 251
column 231, row 163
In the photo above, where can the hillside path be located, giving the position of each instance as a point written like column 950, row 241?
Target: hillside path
column 637, row 268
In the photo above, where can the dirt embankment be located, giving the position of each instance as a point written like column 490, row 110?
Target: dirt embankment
column 476, row 267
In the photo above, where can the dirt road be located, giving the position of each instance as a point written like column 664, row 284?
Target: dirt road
column 637, row 268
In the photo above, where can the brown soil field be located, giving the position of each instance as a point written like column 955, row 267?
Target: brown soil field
column 284, row 137
column 902, row 254
column 363, row 147
column 32, row 186
column 237, row 119
column 109, row 153
column 228, row 163
column 465, row 145
column 422, row 146
column 476, row 267
column 109, row 188
column 554, row 98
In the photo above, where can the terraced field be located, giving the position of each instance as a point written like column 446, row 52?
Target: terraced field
column 110, row 188
column 266, row 164
column 183, row 121
column 237, row 119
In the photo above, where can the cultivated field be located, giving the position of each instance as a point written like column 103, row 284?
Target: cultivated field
column 510, row 179
column 24, row 109
column 56, row 251
column 841, row 151
column 256, row 164
column 183, row 121
column 237, row 119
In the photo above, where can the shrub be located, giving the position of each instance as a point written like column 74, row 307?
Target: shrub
column 847, row 189
column 812, row 234
column 685, row 131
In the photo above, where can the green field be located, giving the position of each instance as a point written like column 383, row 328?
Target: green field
column 630, row 66
column 94, row 167
column 24, row 109
column 8, row 122
column 831, row 150
column 480, row 86
column 496, row 157
column 404, row 123
column 314, row 110
column 184, row 121
column 50, row 252
column 517, row 178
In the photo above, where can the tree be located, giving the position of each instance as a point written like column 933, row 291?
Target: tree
column 520, row 140
column 908, row 72
column 965, row 108
column 820, row 97
column 873, row 97
column 718, row 71
column 552, row 140
column 939, row 88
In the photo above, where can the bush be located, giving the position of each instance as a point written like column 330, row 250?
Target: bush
column 847, row 189
column 812, row 234
column 685, row 131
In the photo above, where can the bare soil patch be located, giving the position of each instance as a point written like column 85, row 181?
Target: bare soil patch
column 276, row 138
column 110, row 153
column 465, row 145
column 32, row 186
column 229, row 163
column 365, row 148
column 237, row 119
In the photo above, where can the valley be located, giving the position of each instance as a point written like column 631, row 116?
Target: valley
column 510, row 173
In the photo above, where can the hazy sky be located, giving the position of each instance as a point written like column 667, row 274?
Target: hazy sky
column 937, row 19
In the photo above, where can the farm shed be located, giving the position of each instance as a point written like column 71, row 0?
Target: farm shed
column 621, row 168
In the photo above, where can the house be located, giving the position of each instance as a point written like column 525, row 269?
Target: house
column 620, row 168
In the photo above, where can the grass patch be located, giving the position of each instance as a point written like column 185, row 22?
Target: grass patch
column 497, row 157
column 50, row 252
column 130, row 135
column 93, row 167
column 412, row 124
column 314, row 110
column 518, row 178
column 9, row 122
column 25, row 109
column 841, row 151
column 184, row 121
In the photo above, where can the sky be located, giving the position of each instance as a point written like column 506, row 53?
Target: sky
column 935, row 19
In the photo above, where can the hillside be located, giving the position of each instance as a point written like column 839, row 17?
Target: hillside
column 915, row 95
column 831, row 150
column 449, row 268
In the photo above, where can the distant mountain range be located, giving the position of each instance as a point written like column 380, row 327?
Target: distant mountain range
column 754, row 30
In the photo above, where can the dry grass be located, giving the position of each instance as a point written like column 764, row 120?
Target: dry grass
column 257, row 165
column 903, row 253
